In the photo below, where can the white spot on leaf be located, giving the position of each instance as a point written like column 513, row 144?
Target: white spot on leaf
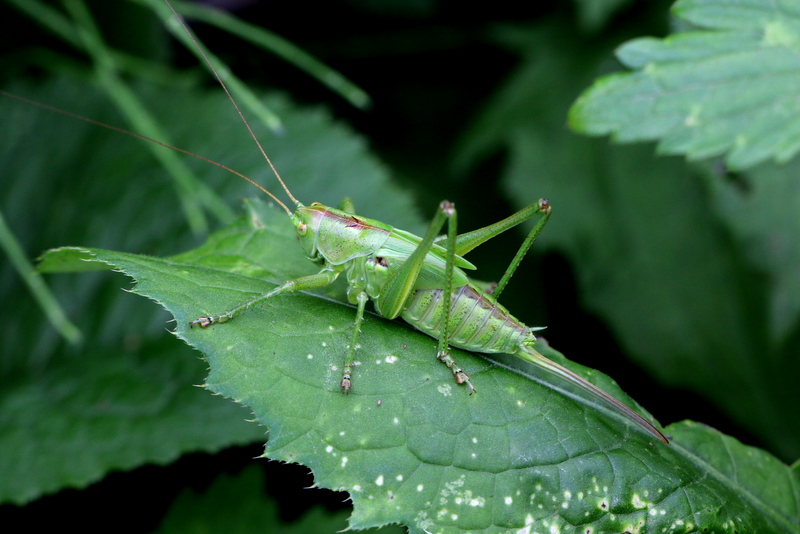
column 637, row 502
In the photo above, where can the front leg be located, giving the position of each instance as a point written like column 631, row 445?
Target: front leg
column 314, row 281
column 349, row 361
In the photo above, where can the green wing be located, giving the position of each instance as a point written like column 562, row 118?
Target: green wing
column 401, row 244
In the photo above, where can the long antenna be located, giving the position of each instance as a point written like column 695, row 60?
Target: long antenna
column 145, row 138
column 235, row 105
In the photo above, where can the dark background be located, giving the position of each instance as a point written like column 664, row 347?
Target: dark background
column 430, row 67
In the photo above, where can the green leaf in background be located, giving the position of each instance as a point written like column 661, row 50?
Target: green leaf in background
column 761, row 207
column 124, row 397
column 109, row 410
column 269, row 41
column 728, row 88
column 411, row 446
column 68, row 416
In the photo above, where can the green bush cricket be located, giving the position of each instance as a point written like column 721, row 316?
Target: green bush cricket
column 412, row 277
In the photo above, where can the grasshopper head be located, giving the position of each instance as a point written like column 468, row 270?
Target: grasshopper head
column 337, row 236
column 306, row 221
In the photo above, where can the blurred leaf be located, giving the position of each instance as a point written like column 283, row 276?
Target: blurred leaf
column 275, row 44
column 108, row 411
column 63, row 424
column 651, row 256
column 243, row 95
column 39, row 290
column 411, row 446
column 238, row 505
column 193, row 195
column 728, row 89
column 761, row 208
column 125, row 396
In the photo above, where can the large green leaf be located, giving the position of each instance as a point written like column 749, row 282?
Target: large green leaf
column 726, row 89
column 411, row 446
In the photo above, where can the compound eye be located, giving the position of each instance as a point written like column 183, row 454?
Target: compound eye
column 316, row 204
column 302, row 229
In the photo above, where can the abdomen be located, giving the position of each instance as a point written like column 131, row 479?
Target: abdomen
column 477, row 322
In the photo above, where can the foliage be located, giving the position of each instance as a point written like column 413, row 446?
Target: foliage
column 407, row 444
column 725, row 88
column 691, row 269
